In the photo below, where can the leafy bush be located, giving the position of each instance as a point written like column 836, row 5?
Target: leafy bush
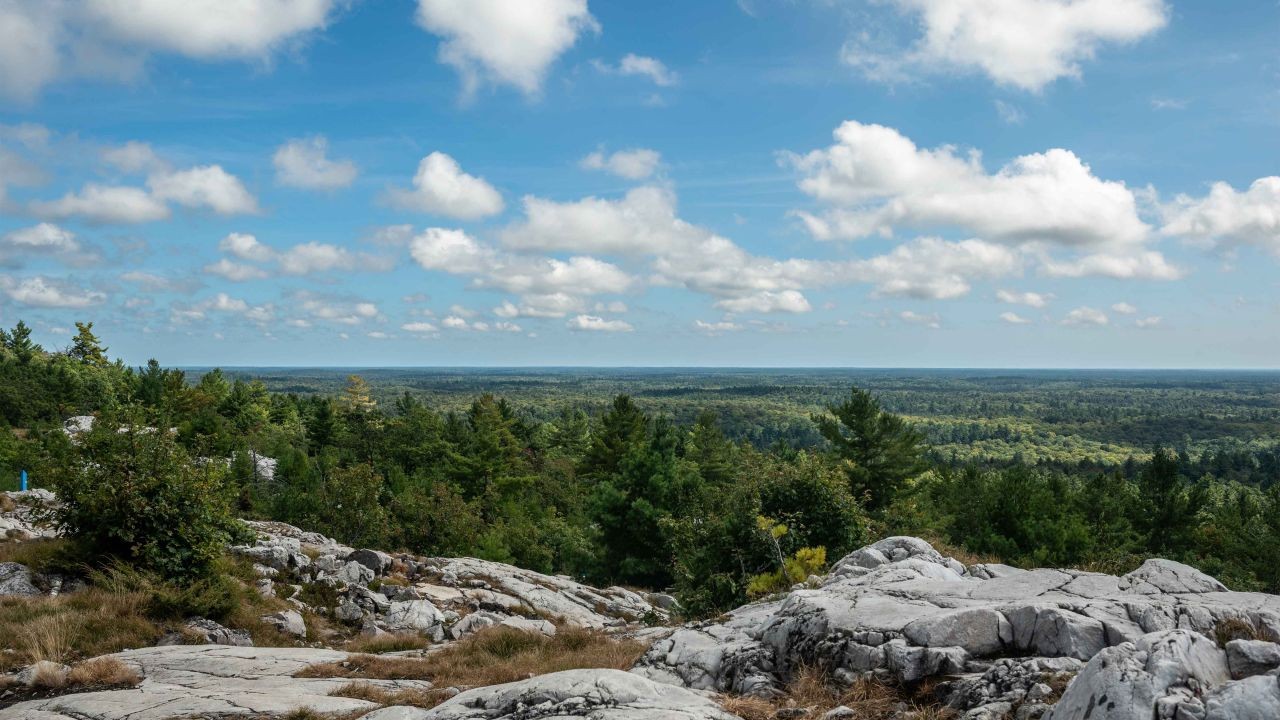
column 135, row 495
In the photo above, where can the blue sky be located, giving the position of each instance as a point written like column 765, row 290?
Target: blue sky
column 923, row 183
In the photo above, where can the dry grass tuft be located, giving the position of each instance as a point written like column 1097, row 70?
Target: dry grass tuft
column 493, row 656
column 396, row 642
column 7, row 504
column 83, row 624
column 965, row 557
column 811, row 691
column 387, row 698
column 309, row 714
column 103, row 671
column 1236, row 629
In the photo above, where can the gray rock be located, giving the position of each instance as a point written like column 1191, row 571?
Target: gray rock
column 592, row 694
column 1162, row 672
column 900, row 608
column 289, row 622
column 377, row 561
column 418, row 615
column 353, row 573
column 1255, row 698
column 1246, row 658
column 209, row 681
column 840, row 712
column 212, row 633
column 16, row 579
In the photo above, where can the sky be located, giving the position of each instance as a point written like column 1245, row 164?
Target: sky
column 883, row 183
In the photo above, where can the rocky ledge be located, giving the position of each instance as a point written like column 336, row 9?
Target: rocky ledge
column 900, row 611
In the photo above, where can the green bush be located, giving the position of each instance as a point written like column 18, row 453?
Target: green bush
column 133, row 494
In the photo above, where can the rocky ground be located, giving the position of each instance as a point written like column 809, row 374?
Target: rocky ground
column 984, row 641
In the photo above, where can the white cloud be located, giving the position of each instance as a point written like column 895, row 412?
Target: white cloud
column 1148, row 322
column 419, row 328
column 205, row 186
column 1030, row 299
column 652, row 68
column 1124, row 308
column 930, row 320
column 1020, row 43
column 301, row 259
column 879, row 180
column 503, row 42
column 304, row 163
column 716, row 328
column 342, row 312
column 133, row 157
column 441, row 187
column 44, row 239
column 1014, row 318
column 634, row 164
column 104, row 204
column 934, row 269
column 46, row 292
column 766, row 301
column 42, row 40
column 245, row 247
column 641, row 223
column 1009, row 113
column 235, row 272
column 453, row 322
column 593, row 323
column 1149, row 265
column 1227, row 217
column 1086, row 316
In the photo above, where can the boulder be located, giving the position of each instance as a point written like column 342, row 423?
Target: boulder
column 289, row 622
column 377, row 561
column 1246, row 658
column 210, row 633
column 593, row 694
column 16, row 579
column 418, row 615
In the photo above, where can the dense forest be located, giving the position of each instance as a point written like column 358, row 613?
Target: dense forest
column 718, row 485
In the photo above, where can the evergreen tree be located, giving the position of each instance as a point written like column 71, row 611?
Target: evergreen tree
column 880, row 451
column 86, row 347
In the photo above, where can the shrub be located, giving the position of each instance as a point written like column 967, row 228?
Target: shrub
column 136, row 495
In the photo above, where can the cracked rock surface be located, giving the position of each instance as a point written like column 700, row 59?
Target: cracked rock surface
column 900, row 611
column 590, row 694
column 183, row 681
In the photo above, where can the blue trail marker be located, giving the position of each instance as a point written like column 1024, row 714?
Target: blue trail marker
column 24, row 480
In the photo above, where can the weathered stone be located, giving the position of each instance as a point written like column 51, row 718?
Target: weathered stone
column 289, row 622
column 1166, row 576
column 16, row 579
column 1246, row 658
column 211, row 633
column 418, row 615
column 377, row 561
column 205, row 681
column 594, row 694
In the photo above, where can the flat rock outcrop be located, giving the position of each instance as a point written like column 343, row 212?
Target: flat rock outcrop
column 184, row 681
column 901, row 611
column 436, row 596
column 590, row 694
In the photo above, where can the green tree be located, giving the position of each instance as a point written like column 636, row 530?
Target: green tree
column 880, row 451
column 86, row 347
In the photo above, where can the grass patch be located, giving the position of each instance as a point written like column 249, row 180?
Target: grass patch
column 812, row 692
column 7, row 504
column 1236, row 629
column 103, row 672
column 387, row 698
column 42, row 555
column 492, row 656
column 396, row 642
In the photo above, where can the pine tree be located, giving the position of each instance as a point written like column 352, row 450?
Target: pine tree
column 86, row 347
column 880, row 451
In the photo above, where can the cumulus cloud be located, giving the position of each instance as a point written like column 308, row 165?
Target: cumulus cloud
column 420, row 328
column 1149, row 265
column 592, row 323
column 877, row 180
column 1148, row 322
column 1227, row 217
column 335, row 310
column 1124, row 308
column 930, row 320
column 200, row 187
column 640, row 65
column 634, row 164
column 929, row 268
column 1086, row 316
column 767, row 301
column 300, row 259
column 1030, row 299
column 502, row 42
column 1013, row 318
column 1026, row 44
column 44, row 240
column 104, row 204
column 207, row 186
column 44, row 292
column 43, row 40
column 304, row 163
column 440, row 187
